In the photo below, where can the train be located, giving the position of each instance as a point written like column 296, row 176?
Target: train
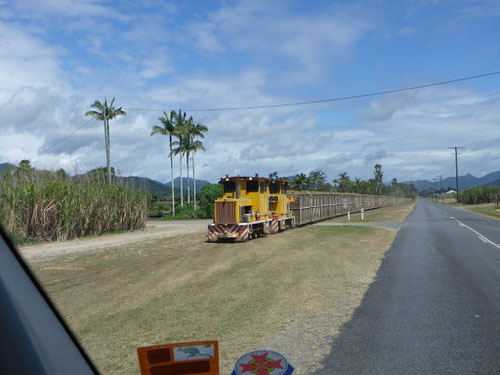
column 256, row 206
column 251, row 207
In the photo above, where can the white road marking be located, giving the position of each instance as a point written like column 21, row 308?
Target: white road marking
column 479, row 235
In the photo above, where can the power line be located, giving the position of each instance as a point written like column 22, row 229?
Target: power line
column 319, row 101
column 337, row 99
column 62, row 140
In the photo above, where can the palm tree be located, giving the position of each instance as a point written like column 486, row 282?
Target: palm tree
column 187, row 150
column 106, row 112
column 191, row 147
column 273, row 176
column 180, row 124
column 358, row 185
column 195, row 146
column 301, row 182
column 168, row 128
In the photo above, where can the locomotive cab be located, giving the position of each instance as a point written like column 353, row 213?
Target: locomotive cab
column 278, row 200
column 250, row 207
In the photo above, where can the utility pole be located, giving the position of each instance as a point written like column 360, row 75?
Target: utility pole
column 441, row 187
column 456, row 164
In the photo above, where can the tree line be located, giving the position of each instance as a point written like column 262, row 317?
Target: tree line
column 317, row 181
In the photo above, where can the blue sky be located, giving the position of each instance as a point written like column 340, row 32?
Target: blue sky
column 58, row 56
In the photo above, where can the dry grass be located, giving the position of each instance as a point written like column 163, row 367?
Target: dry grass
column 288, row 292
column 396, row 212
column 488, row 209
column 240, row 294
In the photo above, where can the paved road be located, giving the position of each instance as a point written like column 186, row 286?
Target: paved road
column 435, row 305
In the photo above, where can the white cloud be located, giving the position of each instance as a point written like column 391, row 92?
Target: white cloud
column 385, row 107
column 67, row 8
column 26, row 60
column 268, row 32
column 155, row 67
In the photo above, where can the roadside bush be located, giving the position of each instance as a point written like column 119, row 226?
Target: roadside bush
column 187, row 212
column 157, row 207
column 209, row 193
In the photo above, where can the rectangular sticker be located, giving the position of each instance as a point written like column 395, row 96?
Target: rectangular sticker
column 187, row 353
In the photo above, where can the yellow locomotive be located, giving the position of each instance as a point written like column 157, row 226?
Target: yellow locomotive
column 250, row 207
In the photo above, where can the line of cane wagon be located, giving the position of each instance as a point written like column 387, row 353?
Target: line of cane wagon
column 256, row 206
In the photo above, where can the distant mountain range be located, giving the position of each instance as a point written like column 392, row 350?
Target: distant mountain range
column 160, row 189
column 464, row 182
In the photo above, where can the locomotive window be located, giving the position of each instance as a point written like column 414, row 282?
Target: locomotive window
column 262, row 187
column 274, row 188
column 229, row 187
column 284, row 189
column 252, row 186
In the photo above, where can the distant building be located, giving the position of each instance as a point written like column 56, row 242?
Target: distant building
column 450, row 192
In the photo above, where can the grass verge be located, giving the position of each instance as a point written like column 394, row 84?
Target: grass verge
column 397, row 212
column 245, row 295
column 487, row 210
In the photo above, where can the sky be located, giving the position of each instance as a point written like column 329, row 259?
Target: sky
column 58, row 56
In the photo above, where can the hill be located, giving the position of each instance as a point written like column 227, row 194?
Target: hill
column 159, row 189
column 464, row 182
column 5, row 166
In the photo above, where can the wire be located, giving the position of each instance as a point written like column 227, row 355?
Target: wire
column 337, row 99
column 62, row 140
column 341, row 98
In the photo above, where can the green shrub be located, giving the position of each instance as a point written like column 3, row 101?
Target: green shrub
column 209, row 193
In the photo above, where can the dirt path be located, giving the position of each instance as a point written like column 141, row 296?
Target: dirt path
column 154, row 230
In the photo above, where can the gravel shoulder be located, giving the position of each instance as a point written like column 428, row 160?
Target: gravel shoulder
column 154, row 230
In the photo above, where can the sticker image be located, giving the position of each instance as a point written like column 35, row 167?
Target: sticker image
column 187, row 353
column 262, row 362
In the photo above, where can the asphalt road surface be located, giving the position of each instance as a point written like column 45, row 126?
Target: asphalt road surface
column 435, row 305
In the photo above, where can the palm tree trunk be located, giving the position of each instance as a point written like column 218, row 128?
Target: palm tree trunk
column 194, row 183
column 180, row 173
column 106, row 145
column 187, row 175
column 108, row 152
column 172, row 177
